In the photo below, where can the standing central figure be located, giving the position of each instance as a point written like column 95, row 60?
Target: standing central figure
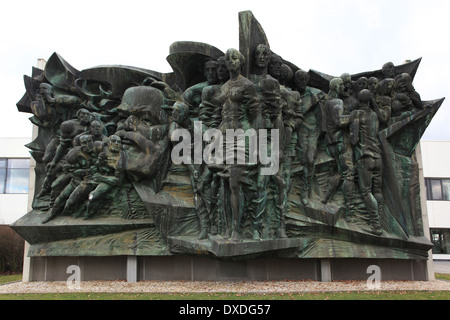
column 240, row 110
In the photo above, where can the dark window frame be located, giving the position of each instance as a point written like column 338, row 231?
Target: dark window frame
column 431, row 196
column 7, row 166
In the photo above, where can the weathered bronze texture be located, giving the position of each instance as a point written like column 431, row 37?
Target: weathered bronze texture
column 128, row 160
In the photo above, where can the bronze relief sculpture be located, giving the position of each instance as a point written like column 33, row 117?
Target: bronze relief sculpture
column 233, row 155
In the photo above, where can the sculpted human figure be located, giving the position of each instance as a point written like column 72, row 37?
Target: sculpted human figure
column 68, row 131
column 181, row 120
column 266, row 87
column 210, row 105
column 267, row 71
column 222, row 70
column 96, row 132
column 291, row 103
column 360, row 84
column 109, row 174
column 348, row 85
column 388, row 70
column 192, row 95
column 44, row 107
column 338, row 143
column 53, row 109
column 274, row 66
column 80, row 159
column 211, row 117
column 383, row 101
column 350, row 93
column 352, row 103
column 369, row 162
column 100, row 142
column 240, row 110
column 372, row 84
column 406, row 101
column 308, row 134
column 45, row 110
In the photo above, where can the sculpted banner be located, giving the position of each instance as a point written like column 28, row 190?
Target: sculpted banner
column 236, row 154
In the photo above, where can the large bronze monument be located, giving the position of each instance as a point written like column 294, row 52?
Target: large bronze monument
column 136, row 163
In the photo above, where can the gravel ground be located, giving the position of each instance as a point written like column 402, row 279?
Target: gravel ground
column 213, row 286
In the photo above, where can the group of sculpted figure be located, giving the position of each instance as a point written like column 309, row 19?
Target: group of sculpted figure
column 90, row 154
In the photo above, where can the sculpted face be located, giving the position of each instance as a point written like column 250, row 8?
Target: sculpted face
column 84, row 116
column 301, row 80
column 46, row 90
column 275, row 66
column 233, row 60
column 347, row 80
column 372, row 84
column 262, row 56
column 211, row 72
column 114, row 143
column 337, row 86
column 87, row 145
column 361, row 83
column 385, row 87
column 222, row 71
column 402, row 83
column 96, row 128
column 179, row 112
column 388, row 70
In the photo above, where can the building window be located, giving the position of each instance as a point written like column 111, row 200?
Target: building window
column 441, row 240
column 438, row 189
column 14, row 175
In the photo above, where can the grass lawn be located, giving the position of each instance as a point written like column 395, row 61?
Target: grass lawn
column 360, row 295
column 442, row 276
column 10, row 278
column 363, row 295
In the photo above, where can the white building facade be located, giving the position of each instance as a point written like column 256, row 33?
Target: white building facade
column 436, row 171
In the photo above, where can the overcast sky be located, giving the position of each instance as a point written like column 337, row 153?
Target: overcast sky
column 326, row 35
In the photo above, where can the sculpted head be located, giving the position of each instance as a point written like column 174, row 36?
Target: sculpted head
column 275, row 63
column 114, row 143
column 84, row 116
column 234, row 60
column 286, row 73
column 372, row 84
column 388, row 70
column 180, row 111
column 348, row 83
column 211, row 72
column 262, row 56
column 301, row 80
column 365, row 96
column 96, row 128
column 336, row 87
column 87, row 144
column 222, row 71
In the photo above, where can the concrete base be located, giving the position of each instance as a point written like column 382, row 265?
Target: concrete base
column 197, row 268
